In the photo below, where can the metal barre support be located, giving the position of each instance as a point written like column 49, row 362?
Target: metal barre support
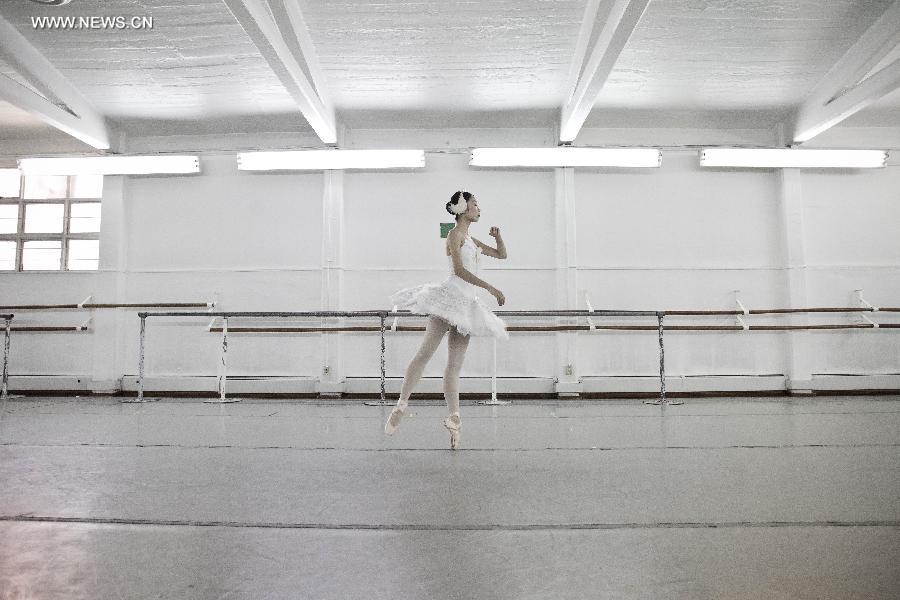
column 141, row 359
column 223, row 369
column 383, row 318
column 493, row 401
column 662, row 362
column 140, row 382
column 224, row 361
column 662, row 369
column 4, row 395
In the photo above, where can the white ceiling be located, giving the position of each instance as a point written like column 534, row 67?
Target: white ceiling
column 425, row 63
column 744, row 55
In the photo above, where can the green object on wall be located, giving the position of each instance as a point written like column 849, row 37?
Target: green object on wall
column 445, row 228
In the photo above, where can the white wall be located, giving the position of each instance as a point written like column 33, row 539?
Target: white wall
column 677, row 237
column 853, row 242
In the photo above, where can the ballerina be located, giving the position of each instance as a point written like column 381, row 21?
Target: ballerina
column 452, row 306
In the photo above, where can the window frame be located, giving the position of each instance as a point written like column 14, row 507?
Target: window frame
column 20, row 237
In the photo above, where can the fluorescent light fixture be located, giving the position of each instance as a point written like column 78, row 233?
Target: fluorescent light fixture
column 769, row 158
column 110, row 165
column 566, row 157
column 321, row 160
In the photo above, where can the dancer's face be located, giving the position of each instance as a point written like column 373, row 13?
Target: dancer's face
column 473, row 213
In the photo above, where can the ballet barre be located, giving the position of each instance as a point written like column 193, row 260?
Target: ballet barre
column 85, row 326
column 383, row 315
column 86, row 305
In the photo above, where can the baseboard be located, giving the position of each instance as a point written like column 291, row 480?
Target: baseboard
column 470, row 387
column 467, row 385
column 59, row 383
column 234, row 385
column 850, row 382
column 684, row 384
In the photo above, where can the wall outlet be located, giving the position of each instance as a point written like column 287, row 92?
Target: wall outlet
column 569, row 370
column 326, row 370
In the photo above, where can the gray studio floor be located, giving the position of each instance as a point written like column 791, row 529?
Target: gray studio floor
column 770, row 498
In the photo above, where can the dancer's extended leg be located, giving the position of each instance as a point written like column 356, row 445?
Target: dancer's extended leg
column 457, row 344
column 434, row 333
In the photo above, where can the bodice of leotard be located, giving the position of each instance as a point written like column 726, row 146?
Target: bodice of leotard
column 468, row 253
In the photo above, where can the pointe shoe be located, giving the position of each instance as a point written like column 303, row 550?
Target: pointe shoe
column 452, row 424
column 393, row 421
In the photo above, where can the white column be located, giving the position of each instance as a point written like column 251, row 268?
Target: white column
column 567, row 380
column 109, row 283
column 331, row 378
column 790, row 200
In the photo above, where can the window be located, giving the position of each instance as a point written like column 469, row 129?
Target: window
column 49, row 223
column 7, row 256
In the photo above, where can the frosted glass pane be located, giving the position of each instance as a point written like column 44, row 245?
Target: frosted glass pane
column 9, row 183
column 46, row 186
column 7, row 256
column 84, row 217
column 41, row 256
column 84, row 255
column 9, row 218
column 87, row 186
column 44, row 218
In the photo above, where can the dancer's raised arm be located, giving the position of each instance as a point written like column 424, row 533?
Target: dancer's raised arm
column 499, row 251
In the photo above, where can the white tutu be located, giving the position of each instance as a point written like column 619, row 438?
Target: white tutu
column 468, row 314
column 454, row 300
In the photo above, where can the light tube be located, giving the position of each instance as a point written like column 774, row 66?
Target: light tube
column 110, row 165
column 769, row 158
column 566, row 157
column 321, row 160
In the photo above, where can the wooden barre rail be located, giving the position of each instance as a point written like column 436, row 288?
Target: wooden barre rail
column 48, row 328
column 100, row 305
column 564, row 328
column 772, row 311
column 334, row 314
column 668, row 313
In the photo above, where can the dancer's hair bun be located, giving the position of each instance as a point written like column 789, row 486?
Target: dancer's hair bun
column 457, row 204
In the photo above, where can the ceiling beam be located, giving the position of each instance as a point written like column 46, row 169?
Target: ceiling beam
column 581, row 46
column 21, row 97
column 841, row 93
column 295, row 33
column 622, row 20
column 258, row 19
column 75, row 116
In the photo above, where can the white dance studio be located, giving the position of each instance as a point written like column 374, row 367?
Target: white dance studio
column 450, row 299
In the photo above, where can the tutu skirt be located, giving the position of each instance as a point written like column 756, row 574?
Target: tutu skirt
column 446, row 300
